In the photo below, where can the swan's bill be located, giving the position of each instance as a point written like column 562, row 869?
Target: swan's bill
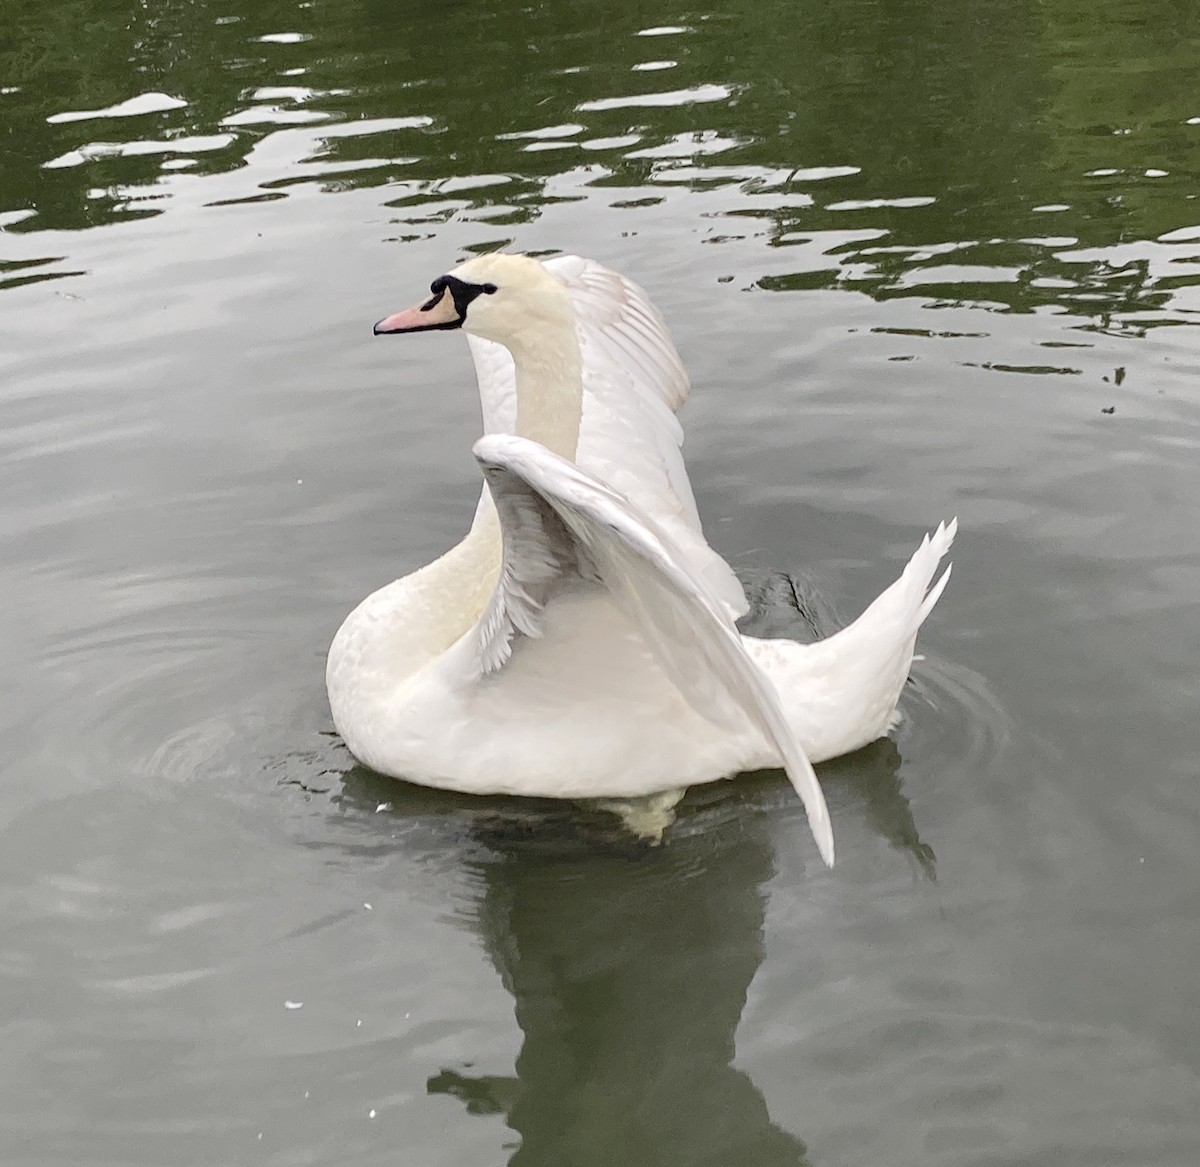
column 445, row 309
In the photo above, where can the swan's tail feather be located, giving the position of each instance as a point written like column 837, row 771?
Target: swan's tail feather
column 848, row 685
column 865, row 665
column 871, row 657
column 934, row 593
column 897, row 612
column 922, row 566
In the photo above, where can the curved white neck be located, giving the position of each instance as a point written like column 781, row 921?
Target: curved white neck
column 549, row 374
column 405, row 626
column 550, row 402
column 450, row 594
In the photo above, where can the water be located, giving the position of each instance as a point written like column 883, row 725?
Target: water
column 912, row 255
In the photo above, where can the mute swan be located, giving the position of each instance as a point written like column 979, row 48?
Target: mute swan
column 580, row 641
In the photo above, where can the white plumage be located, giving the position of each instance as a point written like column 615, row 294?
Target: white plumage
column 580, row 641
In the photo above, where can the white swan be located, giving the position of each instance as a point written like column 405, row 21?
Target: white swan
column 580, row 641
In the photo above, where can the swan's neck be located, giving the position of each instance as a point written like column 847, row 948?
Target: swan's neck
column 419, row 617
column 549, row 373
column 402, row 627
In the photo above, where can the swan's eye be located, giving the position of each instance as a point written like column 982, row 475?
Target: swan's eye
column 489, row 289
column 437, row 288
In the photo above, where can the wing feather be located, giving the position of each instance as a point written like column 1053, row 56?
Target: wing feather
column 559, row 522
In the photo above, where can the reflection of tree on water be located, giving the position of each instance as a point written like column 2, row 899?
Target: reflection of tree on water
column 951, row 137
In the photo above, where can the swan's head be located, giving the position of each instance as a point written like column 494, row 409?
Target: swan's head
column 501, row 297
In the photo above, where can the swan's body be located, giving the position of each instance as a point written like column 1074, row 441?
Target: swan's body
column 580, row 641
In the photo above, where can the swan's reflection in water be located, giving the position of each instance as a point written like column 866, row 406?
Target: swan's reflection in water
column 629, row 966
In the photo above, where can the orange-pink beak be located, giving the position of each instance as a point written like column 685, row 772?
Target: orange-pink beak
column 439, row 311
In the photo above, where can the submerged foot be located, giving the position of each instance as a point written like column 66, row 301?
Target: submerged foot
column 647, row 818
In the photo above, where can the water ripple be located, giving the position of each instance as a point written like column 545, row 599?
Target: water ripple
column 674, row 97
column 133, row 107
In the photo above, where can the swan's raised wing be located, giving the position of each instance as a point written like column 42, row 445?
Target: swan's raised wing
column 625, row 328
column 560, row 523
column 633, row 381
